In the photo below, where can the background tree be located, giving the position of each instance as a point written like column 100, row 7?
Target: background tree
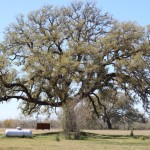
column 115, row 108
column 115, row 111
column 57, row 56
column 7, row 123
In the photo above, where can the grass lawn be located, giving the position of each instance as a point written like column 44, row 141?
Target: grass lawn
column 91, row 141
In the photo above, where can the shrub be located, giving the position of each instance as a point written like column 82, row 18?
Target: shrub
column 131, row 133
column 142, row 138
column 57, row 138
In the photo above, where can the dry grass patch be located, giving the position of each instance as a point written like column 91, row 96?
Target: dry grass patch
column 45, row 131
column 46, row 140
column 119, row 132
column 48, row 143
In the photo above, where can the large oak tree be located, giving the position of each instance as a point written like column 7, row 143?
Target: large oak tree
column 57, row 56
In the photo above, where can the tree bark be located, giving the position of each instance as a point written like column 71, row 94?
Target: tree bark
column 70, row 124
column 109, row 125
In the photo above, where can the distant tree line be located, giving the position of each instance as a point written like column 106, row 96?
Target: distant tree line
column 27, row 123
column 84, row 122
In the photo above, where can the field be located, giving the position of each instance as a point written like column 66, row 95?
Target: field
column 94, row 140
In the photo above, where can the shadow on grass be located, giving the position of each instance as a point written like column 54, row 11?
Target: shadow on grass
column 90, row 136
column 47, row 133
column 87, row 136
column 83, row 136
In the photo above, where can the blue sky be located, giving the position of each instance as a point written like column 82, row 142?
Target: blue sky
column 122, row 10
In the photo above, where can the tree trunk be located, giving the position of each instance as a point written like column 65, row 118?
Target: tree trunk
column 70, row 121
column 109, row 125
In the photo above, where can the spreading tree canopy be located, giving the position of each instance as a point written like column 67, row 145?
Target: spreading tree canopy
column 61, row 55
column 114, row 108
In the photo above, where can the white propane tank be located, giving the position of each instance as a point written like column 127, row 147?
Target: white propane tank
column 18, row 132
